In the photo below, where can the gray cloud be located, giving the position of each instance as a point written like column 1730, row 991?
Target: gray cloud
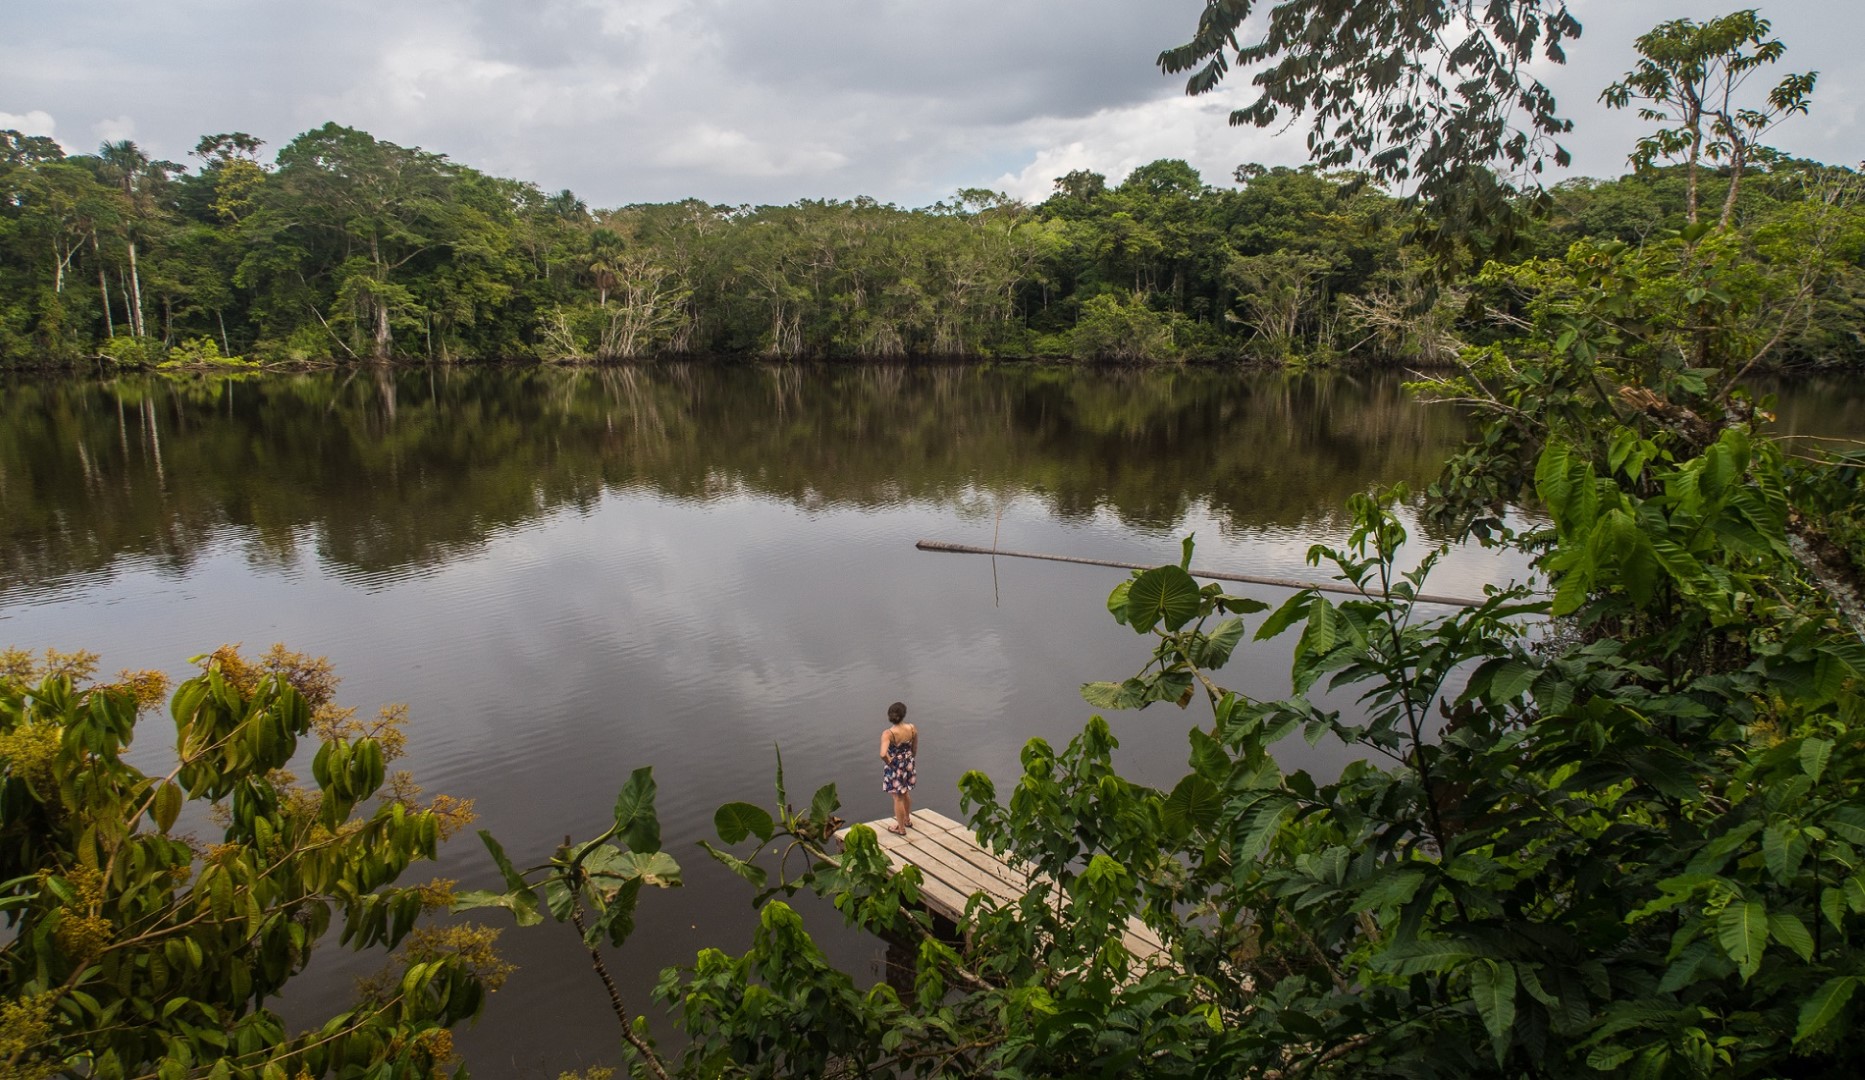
column 752, row 100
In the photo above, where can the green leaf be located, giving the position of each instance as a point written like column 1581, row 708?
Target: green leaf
column 1608, row 1058
column 617, row 919
column 1492, row 987
column 1131, row 694
column 1742, row 929
column 635, row 819
column 1208, row 758
column 610, row 867
column 1684, row 968
column 1511, row 680
column 1193, row 804
column 1259, row 824
column 523, row 902
column 1833, row 906
column 1824, row 1006
column 737, row 820
column 1791, row 932
column 1220, row 643
column 1164, row 594
column 526, row 914
column 1389, row 886
column 749, row 871
column 823, row 804
column 1322, row 632
column 1293, row 610
column 166, row 806
column 1185, row 548
column 1782, row 848
column 1848, row 823
column 1814, row 753
column 1117, row 601
column 1422, row 957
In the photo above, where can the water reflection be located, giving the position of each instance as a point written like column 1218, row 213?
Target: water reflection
column 385, row 472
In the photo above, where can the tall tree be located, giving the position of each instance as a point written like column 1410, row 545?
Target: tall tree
column 1426, row 94
column 1690, row 76
column 139, row 178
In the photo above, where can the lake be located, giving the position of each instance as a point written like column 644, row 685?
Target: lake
column 567, row 574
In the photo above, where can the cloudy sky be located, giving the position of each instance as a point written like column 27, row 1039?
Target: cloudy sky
column 761, row 101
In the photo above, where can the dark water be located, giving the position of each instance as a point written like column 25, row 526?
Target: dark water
column 569, row 574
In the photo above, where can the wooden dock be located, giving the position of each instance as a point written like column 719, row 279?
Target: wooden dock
column 954, row 867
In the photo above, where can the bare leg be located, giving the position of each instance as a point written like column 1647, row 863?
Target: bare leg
column 906, row 805
column 900, row 814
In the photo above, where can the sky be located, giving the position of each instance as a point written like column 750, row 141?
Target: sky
column 762, row 101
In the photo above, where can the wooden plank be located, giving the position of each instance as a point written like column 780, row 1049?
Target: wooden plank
column 1141, row 939
column 941, row 897
column 984, row 862
column 954, row 866
column 935, row 861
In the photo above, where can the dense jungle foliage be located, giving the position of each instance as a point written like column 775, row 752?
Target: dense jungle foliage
column 346, row 247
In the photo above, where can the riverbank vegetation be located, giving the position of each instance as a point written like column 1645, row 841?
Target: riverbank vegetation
column 346, row 248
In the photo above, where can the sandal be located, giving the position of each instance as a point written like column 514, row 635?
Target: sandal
column 896, row 830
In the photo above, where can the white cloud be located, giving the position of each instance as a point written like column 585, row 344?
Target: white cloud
column 36, row 122
column 1114, row 142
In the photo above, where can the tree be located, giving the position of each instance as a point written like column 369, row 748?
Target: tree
column 138, row 177
column 372, row 207
column 1690, row 75
column 1428, row 94
column 138, row 949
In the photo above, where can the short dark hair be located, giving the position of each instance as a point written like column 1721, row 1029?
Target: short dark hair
column 896, row 712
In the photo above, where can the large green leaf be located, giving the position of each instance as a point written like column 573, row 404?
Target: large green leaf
column 617, row 919
column 609, row 867
column 1848, row 823
column 635, row 820
column 1208, row 758
column 520, row 899
column 1214, row 652
column 1117, row 601
column 823, row 804
column 1492, row 987
column 1292, row 611
column 1824, row 1006
column 737, row 820
column 1423, row 957
column 1791, row 932
column 1742, row 929
column 514, row 902
column 1193, row 804
column 1164, row 594
column 1814, row 754
column 1388, row 886
column 751, row 872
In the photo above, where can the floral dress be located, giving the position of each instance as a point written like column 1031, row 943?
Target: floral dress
column 898, row 773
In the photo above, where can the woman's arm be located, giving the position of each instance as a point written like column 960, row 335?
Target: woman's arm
column 886, row 737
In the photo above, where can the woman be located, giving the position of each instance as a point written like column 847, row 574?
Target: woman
column 899, row 743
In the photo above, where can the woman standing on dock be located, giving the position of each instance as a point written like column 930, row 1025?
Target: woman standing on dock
column 899, row 743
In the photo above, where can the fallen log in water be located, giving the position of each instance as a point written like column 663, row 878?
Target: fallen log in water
column 1280, row 583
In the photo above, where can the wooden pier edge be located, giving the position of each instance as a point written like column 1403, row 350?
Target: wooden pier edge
column 954, row 867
